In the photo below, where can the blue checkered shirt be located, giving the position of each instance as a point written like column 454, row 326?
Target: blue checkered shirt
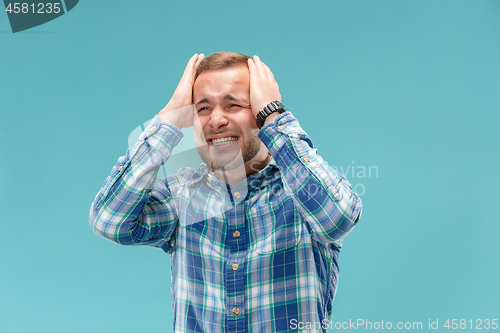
column 261, row 256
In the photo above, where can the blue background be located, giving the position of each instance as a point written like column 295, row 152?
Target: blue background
column 408, row 87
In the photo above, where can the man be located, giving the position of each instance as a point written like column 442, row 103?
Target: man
column 254, row 232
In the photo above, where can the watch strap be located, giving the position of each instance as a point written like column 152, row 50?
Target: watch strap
column 274, row 106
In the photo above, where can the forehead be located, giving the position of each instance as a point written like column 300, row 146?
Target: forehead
column 219, row 82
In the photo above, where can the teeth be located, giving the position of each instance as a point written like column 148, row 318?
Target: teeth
column 224, row 140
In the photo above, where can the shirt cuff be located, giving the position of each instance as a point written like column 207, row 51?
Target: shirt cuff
column 275, row 134
column 161, row 135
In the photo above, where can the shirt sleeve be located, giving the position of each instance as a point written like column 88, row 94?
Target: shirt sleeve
column 133, row 207
column 323, row 195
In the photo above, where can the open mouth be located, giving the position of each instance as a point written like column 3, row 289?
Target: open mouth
column 222, row 141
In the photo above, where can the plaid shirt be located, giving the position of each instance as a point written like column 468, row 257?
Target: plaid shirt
column 261, row 256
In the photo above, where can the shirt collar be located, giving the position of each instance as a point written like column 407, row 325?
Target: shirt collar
column 204, row 174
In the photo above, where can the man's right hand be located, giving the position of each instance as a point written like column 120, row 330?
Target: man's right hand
column 180, row 109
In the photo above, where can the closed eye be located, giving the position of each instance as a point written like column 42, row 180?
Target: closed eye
column 203, row 108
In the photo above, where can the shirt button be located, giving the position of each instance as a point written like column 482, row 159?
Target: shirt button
column 210, row 179
column 236, row 234
column 120, row 168
column 280, row 127
column 306, row 159
column 237, row 195
column 152, row 128
column 235, row 267
column 236, row 310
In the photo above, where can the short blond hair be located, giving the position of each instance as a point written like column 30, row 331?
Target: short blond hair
column 222, row 60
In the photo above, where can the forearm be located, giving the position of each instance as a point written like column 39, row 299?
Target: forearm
column 324, row 197
column 132, row 207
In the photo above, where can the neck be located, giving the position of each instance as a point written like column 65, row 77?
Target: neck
column 244, row 170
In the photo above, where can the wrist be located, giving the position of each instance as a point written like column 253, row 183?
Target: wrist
column 272, row 109
column 271, row 118
column 179, row 117
column 170, row 117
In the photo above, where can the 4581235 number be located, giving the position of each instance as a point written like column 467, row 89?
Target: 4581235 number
column 478, row 324
column 40, row 8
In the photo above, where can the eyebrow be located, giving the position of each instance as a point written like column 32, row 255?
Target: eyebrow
column 225, row 98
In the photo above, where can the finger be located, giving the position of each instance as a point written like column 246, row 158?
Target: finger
column 255, row 75
column 198, row 62
column 201, row 57
column 259, row 70
column 264, row 68
column 270, row 74
column 258, row 64
column 265, row 71
column 190, row 65
column 251, row 66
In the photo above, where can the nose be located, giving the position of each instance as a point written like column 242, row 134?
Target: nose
column 218, row 118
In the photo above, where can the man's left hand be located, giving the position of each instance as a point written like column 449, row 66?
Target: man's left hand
column 263, row 87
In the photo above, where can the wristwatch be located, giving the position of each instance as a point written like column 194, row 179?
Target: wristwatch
column 275, row 106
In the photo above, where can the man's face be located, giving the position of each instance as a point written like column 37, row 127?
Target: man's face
column 226, row 124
